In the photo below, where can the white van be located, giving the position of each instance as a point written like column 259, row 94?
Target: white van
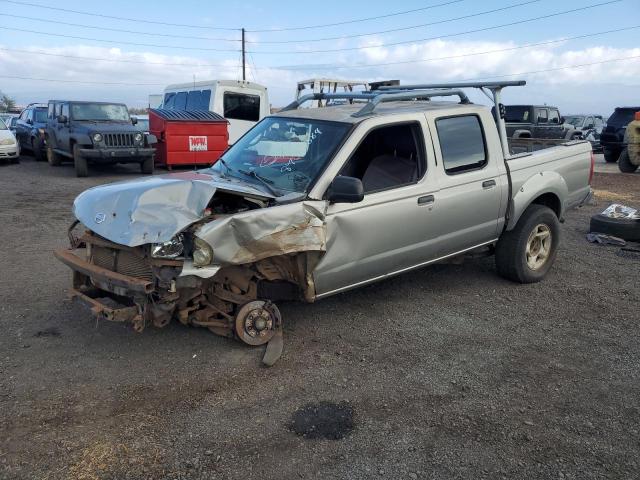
column 242, row 103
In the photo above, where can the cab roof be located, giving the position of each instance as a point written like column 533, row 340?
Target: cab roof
column 344, row 113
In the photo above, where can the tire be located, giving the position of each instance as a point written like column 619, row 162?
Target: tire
column 512, row 260
column 618, row 227
column 82, row 168
column 624, row 163
column 54, row 159
column 36, row 148
column 610, row 156
column 147, row 165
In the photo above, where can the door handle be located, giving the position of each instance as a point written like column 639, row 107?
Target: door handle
column 488, row 184
column 426, row 200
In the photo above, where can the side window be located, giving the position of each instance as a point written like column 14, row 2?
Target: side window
column 194, row 100
column 388, row 157
column 462, row 143
column 30, row 114
column 51, row 110
column 589, row 122
column 554, row 117
column 23, row 115
column 65, row 110
column 180, row 101
column 58, row 109
column 543, row 115
column 205, row 98
column 169, row 99
column 599, row 122
column 240, row 106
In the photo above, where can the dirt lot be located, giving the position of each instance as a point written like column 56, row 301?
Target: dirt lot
column 446, row 372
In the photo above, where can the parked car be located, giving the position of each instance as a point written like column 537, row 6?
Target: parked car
column 537, row 121
column 30, row 129
column 589, row 125
column 378, row 189
column 96, row 132
column 612, row 138
column 142, row 123
column 9, row 147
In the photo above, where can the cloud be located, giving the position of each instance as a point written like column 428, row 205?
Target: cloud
column 580, row 87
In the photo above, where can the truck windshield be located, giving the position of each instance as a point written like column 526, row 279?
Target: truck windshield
column 575, row 120
column 99, row 112
column 285, row 154
column 517, row 113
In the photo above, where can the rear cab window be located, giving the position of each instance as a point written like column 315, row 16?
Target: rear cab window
column 462, row 143
column 241, row 106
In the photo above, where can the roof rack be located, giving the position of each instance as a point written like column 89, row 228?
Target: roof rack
column 377, row 97
column 494, row 87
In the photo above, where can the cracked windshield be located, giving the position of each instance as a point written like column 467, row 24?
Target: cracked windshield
column 283, row 155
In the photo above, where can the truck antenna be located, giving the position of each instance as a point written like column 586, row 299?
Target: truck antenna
column 244, row 73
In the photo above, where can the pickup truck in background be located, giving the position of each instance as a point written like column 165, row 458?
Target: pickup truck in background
column 538, row 121
column 336, row 198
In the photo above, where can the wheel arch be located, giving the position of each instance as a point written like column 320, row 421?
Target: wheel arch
column 544, row 188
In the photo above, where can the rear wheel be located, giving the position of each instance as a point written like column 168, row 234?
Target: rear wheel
column 52, row 157
column 526, row 253
column 82, row 168
column 624, row 163
column 147, row 165
column 610, row 156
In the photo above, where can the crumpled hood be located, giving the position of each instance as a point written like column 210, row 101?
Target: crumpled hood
column 153, row 209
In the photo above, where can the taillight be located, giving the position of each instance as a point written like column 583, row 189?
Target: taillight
column 593, row 166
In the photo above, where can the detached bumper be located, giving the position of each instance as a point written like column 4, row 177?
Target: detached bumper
column 108, row 155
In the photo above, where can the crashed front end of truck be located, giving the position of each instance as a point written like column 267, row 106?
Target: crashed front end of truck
column 230, row 254
column 213, row 248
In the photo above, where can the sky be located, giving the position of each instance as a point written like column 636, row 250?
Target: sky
column 61, row 52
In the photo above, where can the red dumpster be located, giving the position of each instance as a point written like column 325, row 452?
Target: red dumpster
column 188, row 137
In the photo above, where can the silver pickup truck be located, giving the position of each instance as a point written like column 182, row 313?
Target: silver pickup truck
column 312, row 202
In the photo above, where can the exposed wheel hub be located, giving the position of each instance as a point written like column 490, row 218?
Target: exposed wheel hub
column 257, row 322
column 538, row 246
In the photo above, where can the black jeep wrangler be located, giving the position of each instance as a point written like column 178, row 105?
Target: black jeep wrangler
column 96, row 132
column 612, row 137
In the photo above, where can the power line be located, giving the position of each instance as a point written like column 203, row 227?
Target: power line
column 137, row 20
column 81, row 81
column 380, row 32
column 136, row 32
column 566, row 67
column 448, row 57
column 323, row 66
column 346, row 22
column 519, row 22
column 96, row 59
column 119, row 42
column 286, row 29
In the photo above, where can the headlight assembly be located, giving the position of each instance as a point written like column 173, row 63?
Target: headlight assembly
column 171, row 249
column 97, row 138
column 138, row 137
column 7, row 141
column 202, row 253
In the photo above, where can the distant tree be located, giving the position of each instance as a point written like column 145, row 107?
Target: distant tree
column 6, row 103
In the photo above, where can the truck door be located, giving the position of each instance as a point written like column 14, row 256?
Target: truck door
column 556, row 129
column 391, row 229
column 63, row 130
column 467, row 207
column 541, row 123
column 22, row 126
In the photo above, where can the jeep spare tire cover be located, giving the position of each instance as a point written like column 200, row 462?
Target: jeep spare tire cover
column 625, row 228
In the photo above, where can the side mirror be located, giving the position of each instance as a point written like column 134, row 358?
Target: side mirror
column 29, row 121
column 134, row 120
column 62, row 119
column 345, row 190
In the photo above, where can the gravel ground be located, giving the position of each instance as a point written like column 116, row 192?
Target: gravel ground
column 445, row 372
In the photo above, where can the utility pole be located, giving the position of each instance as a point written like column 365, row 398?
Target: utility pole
column 244, row 73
